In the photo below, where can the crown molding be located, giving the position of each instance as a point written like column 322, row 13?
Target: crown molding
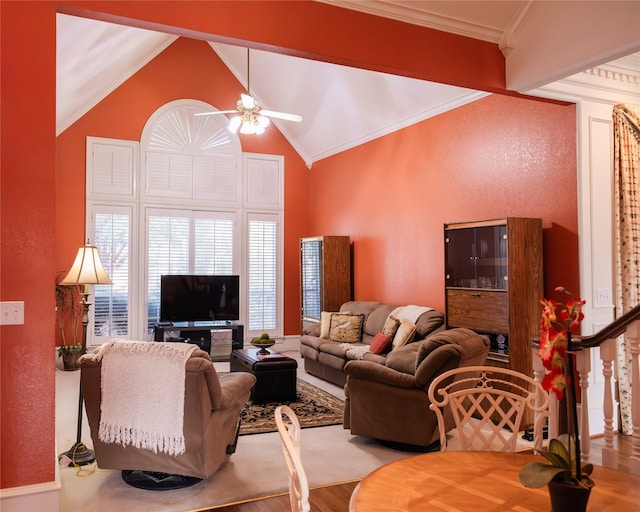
column 416, row 15
column 614, row 82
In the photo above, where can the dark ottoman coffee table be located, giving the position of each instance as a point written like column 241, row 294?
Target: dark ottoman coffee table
column 275, row 374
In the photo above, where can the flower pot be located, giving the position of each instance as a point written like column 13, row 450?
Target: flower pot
column 568, row 496
column 70, row 361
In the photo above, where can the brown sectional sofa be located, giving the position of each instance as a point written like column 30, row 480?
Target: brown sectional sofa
column 326, row 359
column 389, row 401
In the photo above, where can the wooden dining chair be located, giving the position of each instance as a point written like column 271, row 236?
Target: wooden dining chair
column 289, row 429
column 486, row 406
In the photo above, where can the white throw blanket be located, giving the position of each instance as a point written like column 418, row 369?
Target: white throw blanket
column 143, row 387
column 410, row 313
column 355, row 351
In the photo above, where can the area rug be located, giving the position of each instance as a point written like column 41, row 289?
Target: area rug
column 313, row 406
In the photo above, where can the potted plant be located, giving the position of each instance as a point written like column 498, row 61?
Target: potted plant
column 68, row 319
column 567, row 479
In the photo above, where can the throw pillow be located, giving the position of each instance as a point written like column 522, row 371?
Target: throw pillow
column 404, row 334
column 345, row 328
column 380, row 343
column 325, row 322
column 391, row 326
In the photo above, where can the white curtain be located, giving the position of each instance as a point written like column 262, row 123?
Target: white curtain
column 626, row 122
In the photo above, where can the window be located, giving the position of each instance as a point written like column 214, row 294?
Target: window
column 186, row 242
column 112, row 236
column 178, row 201
column 263, row 273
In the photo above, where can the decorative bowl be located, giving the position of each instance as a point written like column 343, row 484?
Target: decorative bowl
column 264, row 344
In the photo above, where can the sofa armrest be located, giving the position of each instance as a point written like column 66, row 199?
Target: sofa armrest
column 367, row 370
column 312, row 329
column 438, row 361
column 235, row 387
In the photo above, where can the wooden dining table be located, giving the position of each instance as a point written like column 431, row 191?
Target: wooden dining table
column 478, row 482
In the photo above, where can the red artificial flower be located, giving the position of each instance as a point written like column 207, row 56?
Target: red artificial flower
column 548, row 313
column 555, row 381
column 557, row 321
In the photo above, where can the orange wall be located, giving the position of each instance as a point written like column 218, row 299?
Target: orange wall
column 31, row 188
column 496, row 157
column 187, row 69
column 27, row 213
column 315, row 30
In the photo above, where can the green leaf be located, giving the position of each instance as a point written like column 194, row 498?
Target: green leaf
column 555, row 460
column 557, row 447
column 537, row 474
column 587, row 469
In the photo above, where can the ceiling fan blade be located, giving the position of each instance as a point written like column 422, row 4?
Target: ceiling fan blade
column 216, row 112
column 281, row 115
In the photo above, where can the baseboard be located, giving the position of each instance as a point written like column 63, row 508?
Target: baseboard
column 287, row 343
column 43, row 497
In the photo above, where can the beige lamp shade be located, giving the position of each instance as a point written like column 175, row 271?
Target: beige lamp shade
column 87, row 268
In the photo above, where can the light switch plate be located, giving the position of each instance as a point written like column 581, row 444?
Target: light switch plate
column 603, row 296
column 12, row 312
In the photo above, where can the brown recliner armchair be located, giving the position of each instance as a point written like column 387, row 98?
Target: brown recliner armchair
column 390, row 403
column 211, row 423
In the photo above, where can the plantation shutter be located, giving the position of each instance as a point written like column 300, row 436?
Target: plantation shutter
column 111, row 166
column 191, row 157
column 112, row 235
column 168, row 243
column 263, row 266
column 186, row 242
column 214, row 244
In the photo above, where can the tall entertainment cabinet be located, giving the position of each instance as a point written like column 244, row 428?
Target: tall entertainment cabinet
column 325, row 275
column 493, row 282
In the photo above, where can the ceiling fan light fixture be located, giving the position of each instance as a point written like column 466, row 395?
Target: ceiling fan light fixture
column 246, row 102
column 234, row 124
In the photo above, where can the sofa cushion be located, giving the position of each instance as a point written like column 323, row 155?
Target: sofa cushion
column 362, row 307
column 391, row 325
column 380, row 343
column 346, row 328
column 431, row 321
column 374, row 358
column 403, row 359
column 376, row 319
column 405, row 334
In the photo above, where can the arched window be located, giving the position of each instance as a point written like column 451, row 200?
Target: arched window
column 185, row 205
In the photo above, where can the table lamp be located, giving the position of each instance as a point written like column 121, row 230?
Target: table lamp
column 86, row 270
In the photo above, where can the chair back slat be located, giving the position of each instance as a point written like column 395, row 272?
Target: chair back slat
column 289, row 430
column 488, row 405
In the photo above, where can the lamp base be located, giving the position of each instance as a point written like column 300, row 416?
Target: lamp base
column 78, row 455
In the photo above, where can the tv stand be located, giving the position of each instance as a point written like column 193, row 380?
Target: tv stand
column 179, row 331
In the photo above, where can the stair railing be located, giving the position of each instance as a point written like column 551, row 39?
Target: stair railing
column 628, row 324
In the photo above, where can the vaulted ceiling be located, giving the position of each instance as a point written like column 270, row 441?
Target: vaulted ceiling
column 341, row 106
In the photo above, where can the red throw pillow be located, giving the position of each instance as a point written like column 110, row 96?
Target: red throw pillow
column 380, row 343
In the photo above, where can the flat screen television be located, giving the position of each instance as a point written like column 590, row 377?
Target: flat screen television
column 191, row 298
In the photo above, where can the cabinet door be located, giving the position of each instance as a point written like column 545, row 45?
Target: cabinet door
column 485, row 311
column 477, row 257
column 311, row 277
column 491, row 257
column 460, row 257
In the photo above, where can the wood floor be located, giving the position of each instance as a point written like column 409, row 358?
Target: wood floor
column 620, row 442
column 330, row 498
column 335, row 498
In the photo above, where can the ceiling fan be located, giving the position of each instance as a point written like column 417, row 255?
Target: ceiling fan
column 251, row 118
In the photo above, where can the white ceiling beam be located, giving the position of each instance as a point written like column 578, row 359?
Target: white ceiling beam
column 562, row 38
